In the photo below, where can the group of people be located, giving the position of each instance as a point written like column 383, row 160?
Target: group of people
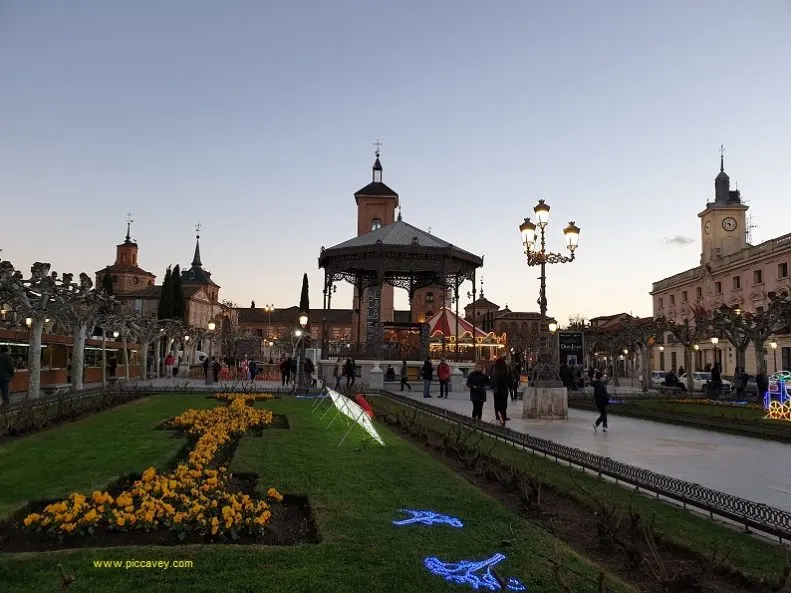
column 345, row 368
column 289, row 371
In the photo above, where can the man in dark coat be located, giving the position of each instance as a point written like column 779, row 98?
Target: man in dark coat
column 601, row 398
column 6, row 373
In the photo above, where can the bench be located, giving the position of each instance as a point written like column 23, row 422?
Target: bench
column 56, row 389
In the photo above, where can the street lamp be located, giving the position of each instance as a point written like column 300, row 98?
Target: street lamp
column 210, row 375
column 116, row 334
column 546, row 368
column 714, row 341
column 269, row 309
column 29, row 321
column 303, row 321
column 773, row 346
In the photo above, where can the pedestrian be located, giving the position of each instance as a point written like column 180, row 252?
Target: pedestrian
column 206, row 368
column 285, row 370
column 427, row 373
column 6, row 373
column 337, row 372
column 500, row 386
column 515, row 380
column 350, row 372
column 216, row 368
column 405, row 376
column 443, row 376
column 170, row 360
column 601, row 398
column 716, row 380
column 477, row 382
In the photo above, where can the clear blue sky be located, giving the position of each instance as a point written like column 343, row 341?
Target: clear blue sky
column 258, row 118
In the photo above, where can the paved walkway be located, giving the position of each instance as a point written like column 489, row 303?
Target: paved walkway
column 754, row 469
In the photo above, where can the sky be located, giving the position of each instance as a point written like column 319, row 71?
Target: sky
column 258, row 119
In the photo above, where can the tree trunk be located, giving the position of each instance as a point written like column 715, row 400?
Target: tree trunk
column 741, row 356
column 689, row 371
column 614, row 359
column 78, row 355
column 126, row 357
column 143, row 359
column 104, row 358
column 34, row 359
column 760, row 361
column 157, row 356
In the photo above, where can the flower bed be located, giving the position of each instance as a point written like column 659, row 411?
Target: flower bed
column 716, row 402
column 195, row 498
column 250, row 397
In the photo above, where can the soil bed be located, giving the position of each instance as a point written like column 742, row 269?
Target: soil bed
column 582, row 528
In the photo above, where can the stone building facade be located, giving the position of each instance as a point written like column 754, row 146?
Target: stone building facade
column 731, row 272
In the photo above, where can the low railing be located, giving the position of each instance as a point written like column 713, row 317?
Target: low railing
column 752, row 515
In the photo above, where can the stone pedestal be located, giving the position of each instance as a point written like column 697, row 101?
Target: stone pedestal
column 545, row 403
column 457, row 383
column 376, row 377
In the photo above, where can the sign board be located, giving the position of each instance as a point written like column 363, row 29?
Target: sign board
column 571, row 348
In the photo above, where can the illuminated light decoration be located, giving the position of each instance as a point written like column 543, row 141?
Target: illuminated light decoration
column 356, row 413
column 468, row 572
column 428, row 518
column 777, row 400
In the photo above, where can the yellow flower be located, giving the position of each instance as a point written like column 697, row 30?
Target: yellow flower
column 31, row 518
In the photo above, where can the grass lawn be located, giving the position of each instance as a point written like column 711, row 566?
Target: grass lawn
column 723, row 412
column 89, row 453
column 749, row 554
column 355, row 493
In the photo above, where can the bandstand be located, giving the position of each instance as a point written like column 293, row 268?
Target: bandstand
column 402, row 256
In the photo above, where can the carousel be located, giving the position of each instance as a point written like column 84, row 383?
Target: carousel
column 452, row 336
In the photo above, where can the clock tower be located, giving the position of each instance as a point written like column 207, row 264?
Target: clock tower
column 376, row 208
column 723, row 227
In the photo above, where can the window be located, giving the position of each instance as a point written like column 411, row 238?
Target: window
column 683, row 296
column 661, row 303
column 661, row 361
column 737, row 282
column 376, row 224
column 699, row 293
column 785, row 357
column 672, row 299
column 673, row 361
column 782, row 270
column 259, row 333
column 718, row 287
column 429, row 298
column 758, row 277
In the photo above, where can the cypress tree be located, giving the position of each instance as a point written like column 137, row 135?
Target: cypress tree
column 304, row 306
column 179, row 301
column 165, row 310
column 107, row 282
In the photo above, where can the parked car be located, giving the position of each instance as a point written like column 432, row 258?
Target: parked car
column 657, row 378
column 751, row 388
column 700, row 379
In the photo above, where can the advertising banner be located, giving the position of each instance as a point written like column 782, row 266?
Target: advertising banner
column 571, row 348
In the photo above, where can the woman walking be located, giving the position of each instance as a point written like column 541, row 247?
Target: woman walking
column 501, row 386
column 405, row 376
column 601, row 398
column 477, row 382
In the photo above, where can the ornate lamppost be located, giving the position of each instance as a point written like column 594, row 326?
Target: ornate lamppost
column 269, row 309
column 210, row 375
column 714, row 341
column 546, row 367
column 303, row 322
column 773, row 346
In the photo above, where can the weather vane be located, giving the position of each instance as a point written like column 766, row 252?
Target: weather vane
column 198, row 227
column 378, row 143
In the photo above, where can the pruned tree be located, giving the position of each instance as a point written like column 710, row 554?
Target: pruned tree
column 304, row 307
column 688, row 333
column 87, row 305
column 641, row 334
column 611, row 341
column 760, row 325
column 179, row 301
column 41, row 297
column 729, row 322
column 147, row 329
column 107, row 282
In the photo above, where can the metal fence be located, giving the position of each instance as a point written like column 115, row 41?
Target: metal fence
column 752, row 515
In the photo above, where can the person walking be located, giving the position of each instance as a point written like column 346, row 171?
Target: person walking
column 477, row 382
column 216, row 367
column 338, row 373
column 601, row 398
column 6, row 373
column 405, row 376
column 427, row 372
column 443, row 376
column 285, row 369
column 516, row 378
column 716, row 380
column 350, row 373
column 501, row 381
column 205, row 368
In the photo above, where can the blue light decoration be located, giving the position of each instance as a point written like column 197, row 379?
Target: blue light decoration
column 468, row 572
column 428, row 518
column 777, row 400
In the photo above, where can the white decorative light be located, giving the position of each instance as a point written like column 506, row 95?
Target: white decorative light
column 212, row 326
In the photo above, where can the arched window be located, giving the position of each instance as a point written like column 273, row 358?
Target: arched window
column 429, row 298
column 376, row 224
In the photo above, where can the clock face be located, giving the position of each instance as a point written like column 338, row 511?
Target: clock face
column 707, row 227
column 729, row 224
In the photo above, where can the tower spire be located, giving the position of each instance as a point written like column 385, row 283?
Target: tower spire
column 722, row 158
column 377, row 170
column 196, row 258
column 129, row 222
